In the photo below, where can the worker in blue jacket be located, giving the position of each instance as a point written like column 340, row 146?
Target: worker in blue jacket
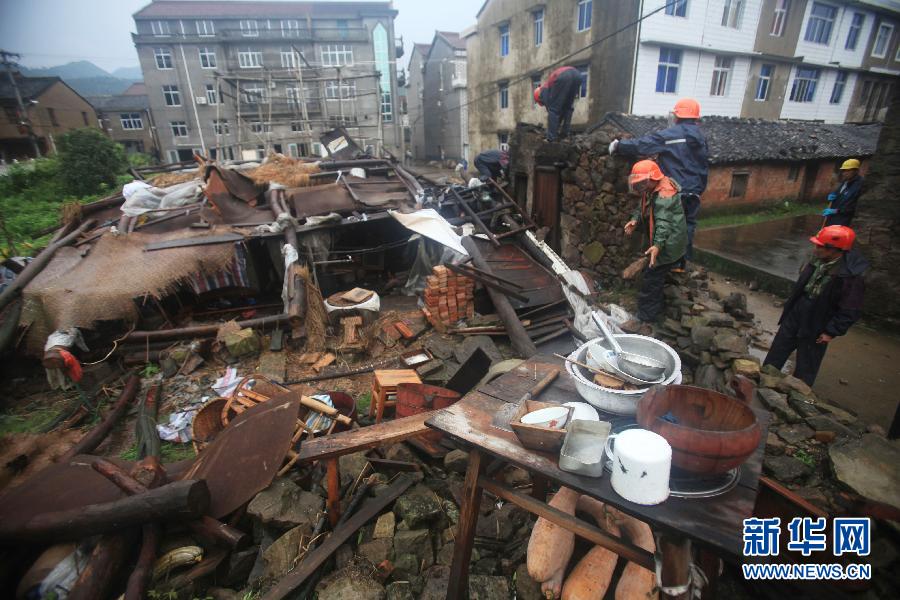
column 842, row 201
column 682, row 154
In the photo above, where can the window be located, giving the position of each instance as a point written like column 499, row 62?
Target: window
column 179, row 128
column 794, row 172
column 343, row 28
column 882, row 40
column 585, row 8
column 339, row 90
column 667, row 71
column 289, row 58
column 52, row 114
column 503, row 141
column 249, row 28
column 296, row 126
column 855, row 28
column 678, row 8
column 207, row 58
column 260, row 127
column 504, row 95
column 583, row 89
column 131, row 121
column 535, row 84
column 732, row 13
column 337, row 55
column 250, row 59
column 739, row 180
column 538, row 17
column 837, row 92
column 205, row 29
column 220, row 126
column 821, row 21
column 254, row 94
column 765, row 78
column 804, row 87
column 290, row 28
column 160, row 28
column 384, row 53
column 779, row 17
column 293, row 96
column 504, row 40
column 211, row 96
column 172, row 95
column 163, row 58
column 720, row 76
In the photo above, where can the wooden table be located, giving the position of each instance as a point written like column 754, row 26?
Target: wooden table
column 715, row 523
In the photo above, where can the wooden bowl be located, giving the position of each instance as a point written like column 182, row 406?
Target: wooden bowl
column 713, row 432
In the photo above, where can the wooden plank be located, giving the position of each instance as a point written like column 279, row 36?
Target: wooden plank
column 571, row 523
column 314, row 559
column 365, row 438
column 458, row 587
column 334, row 491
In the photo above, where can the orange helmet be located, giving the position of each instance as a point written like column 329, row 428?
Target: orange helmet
column 537, row 95
column 835, row 236
column 687, row 108
column 643, row 170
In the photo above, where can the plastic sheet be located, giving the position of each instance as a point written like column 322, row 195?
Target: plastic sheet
column 148, row 199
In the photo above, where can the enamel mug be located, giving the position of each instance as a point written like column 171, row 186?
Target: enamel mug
column 641, row 461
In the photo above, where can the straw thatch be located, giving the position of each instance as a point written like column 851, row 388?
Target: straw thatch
column 287, row 171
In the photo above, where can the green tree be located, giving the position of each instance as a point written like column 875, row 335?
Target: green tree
column 89, row 161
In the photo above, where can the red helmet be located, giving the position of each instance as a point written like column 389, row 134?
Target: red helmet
column 835, row 236
column 537, row 95
column 687, row 108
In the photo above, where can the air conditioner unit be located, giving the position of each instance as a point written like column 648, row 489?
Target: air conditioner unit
column 201, row 99
column 271, row 85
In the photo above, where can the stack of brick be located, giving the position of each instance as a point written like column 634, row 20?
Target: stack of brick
column 448, row 298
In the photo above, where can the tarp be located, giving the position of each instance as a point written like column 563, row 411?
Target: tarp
column 429, row 223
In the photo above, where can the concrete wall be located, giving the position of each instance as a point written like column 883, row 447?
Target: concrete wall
column 890, row 59
column 785, row 44
column 134, row 140
column 445, row 76
column 821, row 108
column 415, row 98
column 770, row 108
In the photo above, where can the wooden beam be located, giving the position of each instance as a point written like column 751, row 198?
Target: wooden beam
column 199, row 330
column 458, row 588
column 475, row 218
column 95, row 436
column 317, row 557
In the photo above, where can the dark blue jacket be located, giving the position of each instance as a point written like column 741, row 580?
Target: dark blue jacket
column 845, row 203
column 681, row 154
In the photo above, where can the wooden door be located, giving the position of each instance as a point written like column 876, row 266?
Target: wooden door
column 546, row 203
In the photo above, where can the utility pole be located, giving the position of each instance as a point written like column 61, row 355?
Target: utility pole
column 23, row 114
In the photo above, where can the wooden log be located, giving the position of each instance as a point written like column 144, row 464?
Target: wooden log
column 675, row 573
column 521, row 342
column 314, row 559
column 37, row 265
column 199, row 330
column 96, row 436
column 108, row 557
column 136, row 588
column 150, row 473
column 333, row 502
column 177, row 501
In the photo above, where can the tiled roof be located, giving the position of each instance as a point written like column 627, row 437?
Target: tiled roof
column 733, row 139
column 423, row 48
column 121, row 102
column 452, row 38
column 136, row 89
column 273, row 10
column 29, row 87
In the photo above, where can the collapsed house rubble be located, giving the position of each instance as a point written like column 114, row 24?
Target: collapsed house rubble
column 307, row 320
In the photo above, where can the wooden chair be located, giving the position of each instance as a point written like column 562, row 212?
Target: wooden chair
column 384, row 386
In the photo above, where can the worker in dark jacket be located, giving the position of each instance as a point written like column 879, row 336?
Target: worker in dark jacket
column 661, row 212
column 558, row 94
column 842, row 201
column 826, row 300
column 491, row 164
column 682, row 155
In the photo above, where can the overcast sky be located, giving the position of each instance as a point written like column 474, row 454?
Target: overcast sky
column 54, row 32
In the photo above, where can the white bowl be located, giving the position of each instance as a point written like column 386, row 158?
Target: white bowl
column 582, row 411
column 552, row 416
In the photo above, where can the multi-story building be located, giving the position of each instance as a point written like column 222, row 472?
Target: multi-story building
column 51, row 109
column 829, row 60
column 415, row 99
column 235, row 80
column 445, row 108
column 126, row 119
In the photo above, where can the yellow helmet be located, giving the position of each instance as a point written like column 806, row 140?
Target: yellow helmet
column 850, row 163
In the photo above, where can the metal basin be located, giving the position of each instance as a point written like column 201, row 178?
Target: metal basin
column 622, row 402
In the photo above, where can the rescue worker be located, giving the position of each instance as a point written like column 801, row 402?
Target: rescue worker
column 558, row 95
column 661, row 212
column 826, row 300
column 682, row 154
column 842, row 201
column 492, row 164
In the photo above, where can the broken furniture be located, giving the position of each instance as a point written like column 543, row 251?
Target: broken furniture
column 715, row 522
column 384, row 389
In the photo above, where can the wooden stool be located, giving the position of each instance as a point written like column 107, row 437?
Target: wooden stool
column 384, row 385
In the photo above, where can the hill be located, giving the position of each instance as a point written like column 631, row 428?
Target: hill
column 88, row 79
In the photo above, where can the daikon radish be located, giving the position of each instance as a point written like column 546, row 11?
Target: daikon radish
column 636, row 582
column 552, row 588
column 550, row 546
column 591, row 577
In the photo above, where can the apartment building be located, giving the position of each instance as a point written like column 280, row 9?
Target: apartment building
column 235, row 80
column 415, row 99
column 831, row 60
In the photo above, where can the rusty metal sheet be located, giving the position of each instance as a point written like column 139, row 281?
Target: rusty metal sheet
column 511, row 262
column 233, row 183
column 246, row 455
column 320, row 200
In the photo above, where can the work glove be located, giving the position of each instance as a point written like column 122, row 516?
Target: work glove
column 612, row 146
column 832, row 197
column 829, row 211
